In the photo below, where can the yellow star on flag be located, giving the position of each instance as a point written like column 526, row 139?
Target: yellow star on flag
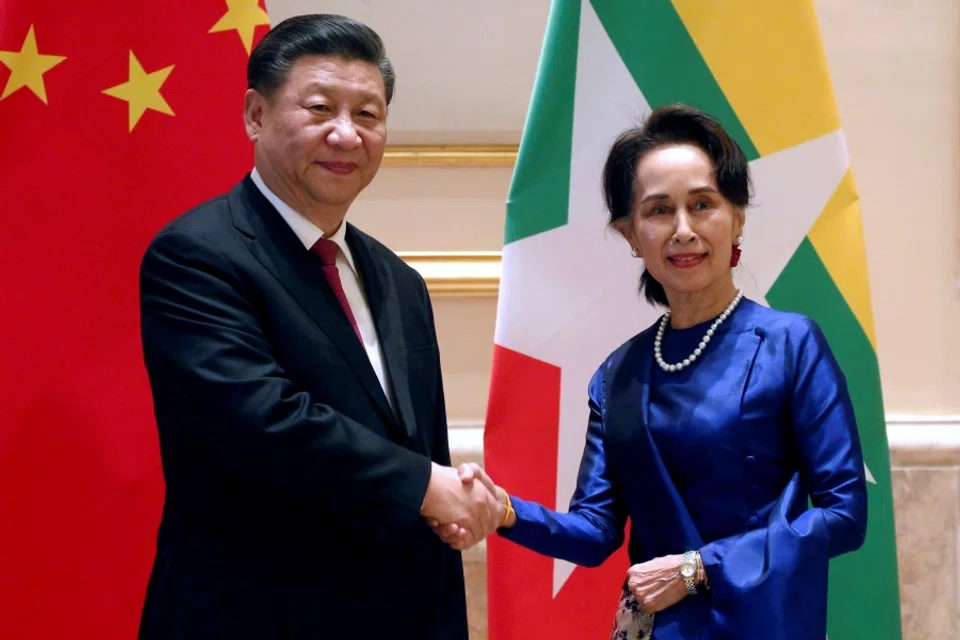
column 244, row 16
column 27, row 67
column 142, row 91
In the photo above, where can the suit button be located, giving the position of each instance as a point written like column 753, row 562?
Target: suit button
column 751, row 460
column 754, row 520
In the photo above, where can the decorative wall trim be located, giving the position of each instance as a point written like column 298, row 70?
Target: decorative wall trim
column 450, row 155
column 457, row 273
column 908, row 429
column 466, row 441
column 924, row 441
column 915, row 440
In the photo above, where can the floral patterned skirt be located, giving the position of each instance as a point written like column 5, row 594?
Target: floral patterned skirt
column 631, row 622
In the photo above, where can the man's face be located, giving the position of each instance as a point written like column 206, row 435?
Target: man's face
column 320, row 138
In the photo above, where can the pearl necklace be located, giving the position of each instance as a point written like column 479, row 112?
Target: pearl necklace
column 680, row 366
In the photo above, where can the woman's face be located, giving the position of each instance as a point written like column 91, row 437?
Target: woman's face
column 682, row 227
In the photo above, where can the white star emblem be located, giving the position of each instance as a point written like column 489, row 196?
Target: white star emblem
column 569, row 295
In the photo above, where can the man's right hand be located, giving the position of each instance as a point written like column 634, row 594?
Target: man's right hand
column 470, row 506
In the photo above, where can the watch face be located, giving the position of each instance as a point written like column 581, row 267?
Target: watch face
column 687, row 570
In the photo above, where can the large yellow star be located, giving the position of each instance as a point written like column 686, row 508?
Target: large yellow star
column 27, row 67
column 244, row 16
column 142, row 91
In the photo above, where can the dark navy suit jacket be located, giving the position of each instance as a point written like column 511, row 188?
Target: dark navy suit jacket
column 293, row 488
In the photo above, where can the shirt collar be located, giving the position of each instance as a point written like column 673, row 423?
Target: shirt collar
column 306, row 231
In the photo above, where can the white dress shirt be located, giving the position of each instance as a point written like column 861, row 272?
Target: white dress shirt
column 309, row 233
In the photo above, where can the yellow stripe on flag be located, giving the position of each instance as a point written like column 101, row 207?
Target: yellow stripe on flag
column 837, row 236
column 768, row 58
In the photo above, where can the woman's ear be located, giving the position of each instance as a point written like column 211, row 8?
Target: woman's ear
column 739, row 221
column 625, row 229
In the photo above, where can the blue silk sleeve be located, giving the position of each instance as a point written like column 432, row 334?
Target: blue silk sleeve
column 593, row 527
column 752, row 574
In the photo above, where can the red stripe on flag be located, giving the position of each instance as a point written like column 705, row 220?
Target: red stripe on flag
column 520, row 451
column 80, row 481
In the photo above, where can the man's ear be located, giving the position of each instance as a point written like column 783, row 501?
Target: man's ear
column 254, row 104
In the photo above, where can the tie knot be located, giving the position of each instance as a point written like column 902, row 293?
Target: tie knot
column 327, row 251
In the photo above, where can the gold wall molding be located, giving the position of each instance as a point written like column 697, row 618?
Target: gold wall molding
column 457, row 273
column 450, row 155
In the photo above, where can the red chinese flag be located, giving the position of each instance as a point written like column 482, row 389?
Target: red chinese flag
column 115, row 117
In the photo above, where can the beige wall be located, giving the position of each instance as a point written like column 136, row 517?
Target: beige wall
column 465, row 70
column 896, row 76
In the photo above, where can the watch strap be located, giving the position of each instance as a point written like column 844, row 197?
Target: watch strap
column 690, row 558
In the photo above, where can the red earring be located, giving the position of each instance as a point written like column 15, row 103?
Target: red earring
column 735, row 252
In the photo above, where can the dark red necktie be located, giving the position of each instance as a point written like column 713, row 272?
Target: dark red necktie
column 327, row 250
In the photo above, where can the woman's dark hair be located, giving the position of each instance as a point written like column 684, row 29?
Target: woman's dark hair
column 669, row 125
column 315, row 35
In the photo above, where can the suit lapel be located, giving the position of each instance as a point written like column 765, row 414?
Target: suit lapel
column 384, row 304
column 275, row 245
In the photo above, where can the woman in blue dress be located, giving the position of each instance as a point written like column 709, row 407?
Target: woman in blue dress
column 713, row 428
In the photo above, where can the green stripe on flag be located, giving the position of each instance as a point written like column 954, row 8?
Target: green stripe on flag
column 542, row 174
column 856, row 611
column 664, row 61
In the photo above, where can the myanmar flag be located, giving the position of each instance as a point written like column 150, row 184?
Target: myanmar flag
column 569, row 286
column 116, row 116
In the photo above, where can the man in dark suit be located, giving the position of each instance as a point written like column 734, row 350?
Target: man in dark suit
column 296, row 380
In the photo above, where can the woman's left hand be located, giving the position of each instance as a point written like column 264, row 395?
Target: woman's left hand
column 656, row 584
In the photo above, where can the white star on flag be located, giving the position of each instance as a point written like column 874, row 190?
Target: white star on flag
column 585, row 303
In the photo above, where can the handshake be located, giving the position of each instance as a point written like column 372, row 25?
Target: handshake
column 463, row 506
